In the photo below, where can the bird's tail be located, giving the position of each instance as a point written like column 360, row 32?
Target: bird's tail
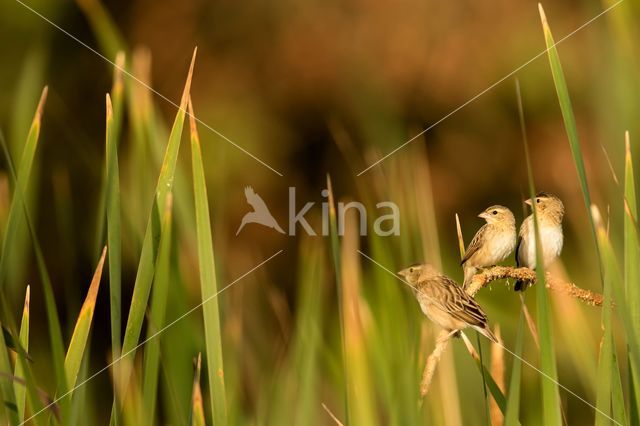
column 486, row 332
column 469, row 272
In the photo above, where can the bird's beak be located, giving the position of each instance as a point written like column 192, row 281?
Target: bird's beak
column 483, row 215
column 528, row 202
column 402, row 273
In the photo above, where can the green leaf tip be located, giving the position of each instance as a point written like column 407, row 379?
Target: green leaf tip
column 187, row 86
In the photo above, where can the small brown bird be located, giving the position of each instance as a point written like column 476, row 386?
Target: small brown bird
column 493, row 242
column 444, row 302
column 550, row 213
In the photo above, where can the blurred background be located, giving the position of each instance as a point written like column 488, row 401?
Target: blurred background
column 314, row 88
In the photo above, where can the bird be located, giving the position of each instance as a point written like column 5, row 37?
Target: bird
column 444, row 302
column 550, row 212
column 260, row 213
column 493, row 242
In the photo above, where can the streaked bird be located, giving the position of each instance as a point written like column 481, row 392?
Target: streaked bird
column 493, row 242
column 444, row 302
column 550, row 212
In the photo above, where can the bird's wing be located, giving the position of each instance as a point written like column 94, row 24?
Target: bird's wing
column 450, row 297
column 254, row 199
column 475, row 244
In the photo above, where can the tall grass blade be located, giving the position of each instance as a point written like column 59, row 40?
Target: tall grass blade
column 513, row 398
column 157, row 314
column 112, row 210
column 144, row 275
column 22, row 180
column 208, row 284
column 83, row 325
column 632, row 268
column 609, row 384
column 7, row 394
column 567, row 116
column 337, row 265
column 197, row 408
column 358, row 379
column 113, row 229
column 53, row 320
column 105, row 29
column 24, row 342
column 552, row 414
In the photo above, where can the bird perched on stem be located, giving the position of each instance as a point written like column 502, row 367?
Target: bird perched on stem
column 550, row 212
column 493, row 242
column 444, row 302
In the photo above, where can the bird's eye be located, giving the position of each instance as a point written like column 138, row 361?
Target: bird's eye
column 495, row 212
column 410, row 269
column 538, row 200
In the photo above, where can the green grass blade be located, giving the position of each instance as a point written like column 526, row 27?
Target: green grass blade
column 359, row 378
column 632, row 265
column 609, row 382
column 144, row 275
column 157, row 314
column 36, row 397
column 113, row 227
column 8, row 397
column 112, row 208
column 493, row 387
column 197, row 408
column 20, row 391
column 22, row 180
column 208, row 284
column 53, row 320
column 550, row 393
column 105, row 29
column 568, row 117
column 513, row 398
column 337, row 265
column 83, row 325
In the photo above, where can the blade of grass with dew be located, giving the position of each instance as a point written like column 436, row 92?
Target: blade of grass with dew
column 83, row 324
column 53, row 320
column 337, row 265
column 568, row 117
column 609, row 384
column 157, row 314
column 144, row 275
column 197, row 408
column 513, row 398
column 20, row 391
column 208, row 284
column 632, row 268
column 7, row 394
column 552, row 414
column 21, row 182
